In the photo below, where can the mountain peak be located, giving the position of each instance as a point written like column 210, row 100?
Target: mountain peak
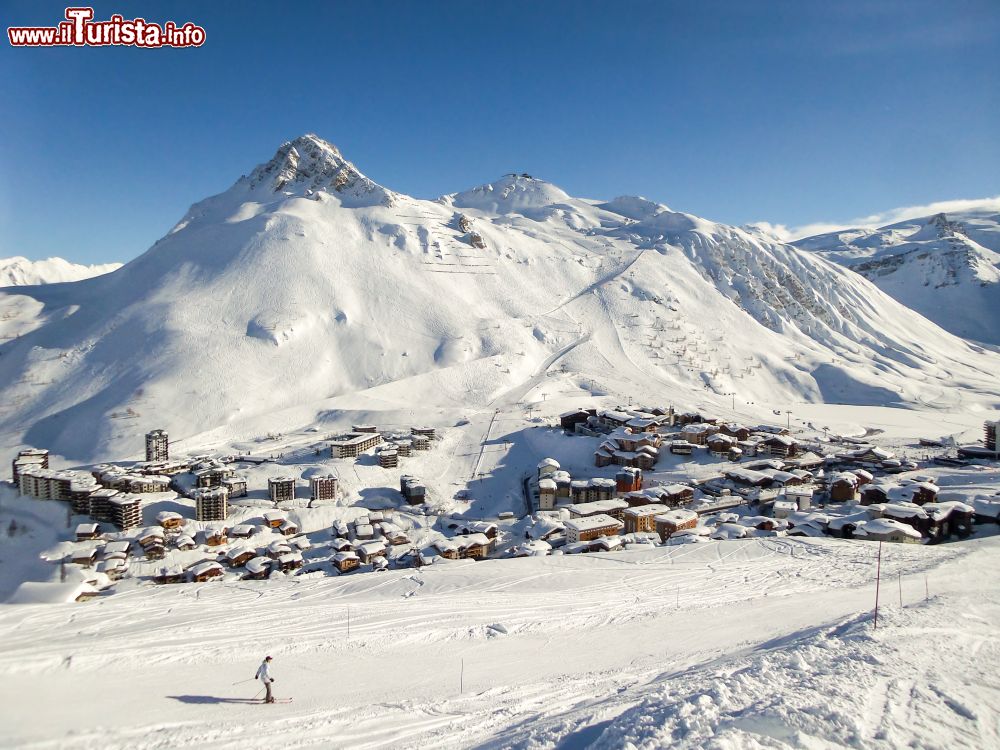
column 309, row 163
column 513, row 192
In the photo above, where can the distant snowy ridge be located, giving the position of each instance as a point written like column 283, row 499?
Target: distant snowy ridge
column 307, row 288
column 18, row 271
column 945, row 266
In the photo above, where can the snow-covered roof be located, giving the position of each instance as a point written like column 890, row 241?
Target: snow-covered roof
column 258, row 565
column 883, row 526
column 676, row 517
column 590, row 523
column 652, row 509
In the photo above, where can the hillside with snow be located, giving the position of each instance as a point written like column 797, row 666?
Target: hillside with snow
column 945, row 266
column 18, row 271
column 307, row 293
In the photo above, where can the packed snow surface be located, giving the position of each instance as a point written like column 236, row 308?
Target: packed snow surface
column 307, row 291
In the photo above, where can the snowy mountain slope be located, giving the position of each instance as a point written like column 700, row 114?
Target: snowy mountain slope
column 946, row 267
column 307, row 288
column 18, row 271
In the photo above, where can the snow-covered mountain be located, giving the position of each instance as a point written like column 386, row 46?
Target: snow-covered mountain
column 18, row 271
column 307, row 291
column 946, row 267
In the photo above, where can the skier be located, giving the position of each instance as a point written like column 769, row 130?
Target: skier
column 264, row 675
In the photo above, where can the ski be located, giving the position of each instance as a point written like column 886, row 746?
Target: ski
column 276, row 700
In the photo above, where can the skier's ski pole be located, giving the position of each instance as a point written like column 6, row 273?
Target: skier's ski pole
column 242, row 681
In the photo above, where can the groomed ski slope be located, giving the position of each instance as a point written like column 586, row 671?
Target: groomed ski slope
column 755, row 643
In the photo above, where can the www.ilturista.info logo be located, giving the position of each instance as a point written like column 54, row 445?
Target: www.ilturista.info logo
column 80, row 30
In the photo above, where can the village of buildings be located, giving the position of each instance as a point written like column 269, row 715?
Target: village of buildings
column 198, row 518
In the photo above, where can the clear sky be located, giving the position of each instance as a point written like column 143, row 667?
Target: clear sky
column 792, row 112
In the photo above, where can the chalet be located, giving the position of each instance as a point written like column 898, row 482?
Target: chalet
column 346, row 561
column 394, row 535
column 114, row 568
column 642, row 424
column 85, row 556
column 274, row 518
column 211, row 503
column 591, row 527
column 155, row 551
column 300, row 543
column 184, row 542
column 215, row 537
column 369, row 550
column 728, row 530
column 601, row 544
column 887, row 530
column 624, row 448
column 670, row 522
column 341, row 545
column 340, row 529
column 864, row 476
column 288, row 528
column 169, row 520
column 748, row 477
column 641, row 518
column 277, row 548
column 688, row 417
column 613, row 419
column 476, row 546
column 323, row 487
column 570, row 419
column 449, row 549
column 242, row 531
column 153, row 535
column 280, row 489
column 779, row 445
column 720, row 444
column 258, row 568
column 173, row 574
column 364, row 531
column 615, row 508
column 85, row 531
column 354, row 444
column 698, row 432
column 481, row 527
column 205, row 571
column 239, row 556
column 681, row 447
column 289, row 561
column 748, row 448
column 734, row 430
column 843, row 487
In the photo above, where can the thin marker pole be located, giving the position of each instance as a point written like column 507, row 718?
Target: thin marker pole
column 878, row 578
column 900, row 590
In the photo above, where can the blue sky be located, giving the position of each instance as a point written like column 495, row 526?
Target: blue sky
column 788, row 112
